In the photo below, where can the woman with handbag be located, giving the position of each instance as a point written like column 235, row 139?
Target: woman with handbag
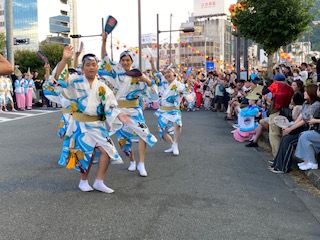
column 309, row 143
column 283, row 160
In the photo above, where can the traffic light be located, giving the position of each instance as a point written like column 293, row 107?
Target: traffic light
column 186, row 30
column 75, row 36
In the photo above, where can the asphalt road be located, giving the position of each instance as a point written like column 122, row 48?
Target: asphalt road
column 215, row 189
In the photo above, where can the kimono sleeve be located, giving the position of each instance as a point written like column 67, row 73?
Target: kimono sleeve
column 181, row 87
column 16, row 84
column 110, row 107
column 107, row 68
column 152, row 92
column 51, row 87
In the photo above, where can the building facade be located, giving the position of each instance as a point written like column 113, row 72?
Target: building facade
column 38, row 20
column 212, row 40
column 2, row 26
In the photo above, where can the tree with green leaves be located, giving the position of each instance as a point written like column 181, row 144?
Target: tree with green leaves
column 272, row 23
column 29, row 59
column 2, row 42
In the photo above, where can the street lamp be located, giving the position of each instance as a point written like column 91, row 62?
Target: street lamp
column 185, row 30
column 264, row 64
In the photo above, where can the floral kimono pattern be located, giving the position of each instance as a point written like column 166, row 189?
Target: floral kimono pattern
column 8, row 90
column 55, row 94
column 81, row 138
column 2, row 92
column 128, row 88
column 169, row 111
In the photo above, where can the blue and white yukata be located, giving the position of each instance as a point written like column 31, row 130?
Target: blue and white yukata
column 169, row 111
column 8, row 90
column 82, row 136
column 128, row 91
column 2, row 92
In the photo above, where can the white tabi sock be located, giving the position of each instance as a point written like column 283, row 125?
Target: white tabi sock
column 100, row 186
column 175, row 149
column 132, row 166
column 169, row 150
column 84, row 186
column 142, row 170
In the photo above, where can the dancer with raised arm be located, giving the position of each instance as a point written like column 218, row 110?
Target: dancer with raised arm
column 92, row 102
column 128, row 85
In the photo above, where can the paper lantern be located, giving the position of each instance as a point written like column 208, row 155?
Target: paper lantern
column 202, row 54
column 155, row 46
column 184, row 43
column 178, row 65
column 197, row 52
column 124, row 46
column 192, row 49
column 214, row 60
column 207, row 56
column 178, row 40
column 131, row 49
column 189, row 46
column 117, row 47
column 118, row 42
column 221, row 62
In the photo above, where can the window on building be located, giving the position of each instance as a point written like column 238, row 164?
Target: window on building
column 1, row 12
column 64, row 13
column 1, row 24
column 64, row 1
column 65, row 24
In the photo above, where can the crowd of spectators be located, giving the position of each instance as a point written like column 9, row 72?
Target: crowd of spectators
column 257, row 104
column 21, row 91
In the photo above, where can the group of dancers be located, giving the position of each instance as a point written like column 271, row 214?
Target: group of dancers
column 106, row 92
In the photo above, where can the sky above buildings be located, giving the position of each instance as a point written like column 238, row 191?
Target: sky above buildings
column 91, row 12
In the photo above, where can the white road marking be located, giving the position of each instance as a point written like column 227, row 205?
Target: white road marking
column 11, row 116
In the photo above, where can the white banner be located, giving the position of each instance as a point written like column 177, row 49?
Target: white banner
column 209, row 7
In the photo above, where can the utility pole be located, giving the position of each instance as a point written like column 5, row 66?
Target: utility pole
column 245, row 56
column 158, row 51
column 139, row 25
column 9, row 32
column 238, row 40
column 170, row 60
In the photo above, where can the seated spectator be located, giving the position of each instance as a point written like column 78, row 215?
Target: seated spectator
column 281, row 98
column 247, row 126
column 283, row 160
column 309, row 143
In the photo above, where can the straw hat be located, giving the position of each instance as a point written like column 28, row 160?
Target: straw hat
column 254, row 95
column 17, row 72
